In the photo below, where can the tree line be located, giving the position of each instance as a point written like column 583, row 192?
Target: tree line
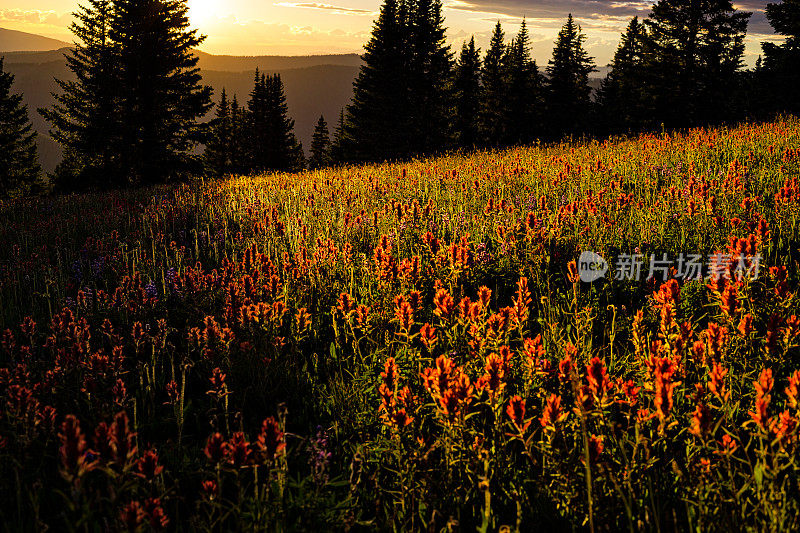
column 680, row 67
column 133, row 114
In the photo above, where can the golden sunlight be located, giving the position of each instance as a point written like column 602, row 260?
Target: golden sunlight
column 201, row 10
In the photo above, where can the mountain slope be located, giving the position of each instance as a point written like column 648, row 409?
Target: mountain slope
column 273, row 63
column 315, row 85
column 13, row 40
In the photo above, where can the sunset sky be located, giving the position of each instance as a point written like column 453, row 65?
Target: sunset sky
column 263, row 27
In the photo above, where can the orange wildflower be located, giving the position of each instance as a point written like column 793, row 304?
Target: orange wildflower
column 404, row 312
column 597, row 377
column 746, row 325
column 701, row 421
column 516, row 412
column 793, row 390
column 716, row 383
column 566, row 366
column 596, row 448
column 784, row 428
column 552, row 412
column 74, row 449
column 271, row 442
column 444, row 304
column 428, row 336
column 572, row 272
column 216, row 449
column 345, row 303
column 497, row 366
column 763, row 388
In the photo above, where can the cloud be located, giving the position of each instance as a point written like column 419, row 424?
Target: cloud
column 35, row 16
column 231, row 35
column 598, row 14
column 554, row 9
column 336, row 10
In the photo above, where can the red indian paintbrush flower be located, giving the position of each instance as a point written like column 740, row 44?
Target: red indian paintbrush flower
column 701, row 421
column 427, row 335
column 552, row 412
column 596, row 448
column 404, row 312
column 74, row 451
column 566, row 366
column 572, row 272
column 597, row 377
column 716, row 338
column 147, row 465
column 663, row 389
column 716, row 383
column 516, row 412
column 217, row 448
column 793, row 390
column 630, row 392
column 485, row 296
column 345, row 303
column 729, row 301
column 155, row 514
column 784, row 428
column 122, row 442
column 497, row 366
column 271, row 442
column 132, row 516
column 172, row 392
column 763, row 388
column 209, row 489
column 523, row 300
column 444, row 304
column 745, row 326
column 727, row 446
column 239, row 454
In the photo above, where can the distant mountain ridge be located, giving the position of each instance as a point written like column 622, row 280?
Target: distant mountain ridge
column 273, row 63
column 315, row 85
column 13, row 41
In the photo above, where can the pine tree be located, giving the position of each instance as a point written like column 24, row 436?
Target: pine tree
column 468, row 94
column 622, row 98
column 19, row 167
column 693, row 52
column 782, row 62
column 259, row 133
column 218, row 157
column 337, row 146
column 569, row 93
column 320, row 146
column 493, row 112
column 287, row 153
column 402, row 98
column 429, row 74
column 86, row 118
column 377, row 119
column 161, row 97
column 272, row 143
column 523, row 92
column 241, row 158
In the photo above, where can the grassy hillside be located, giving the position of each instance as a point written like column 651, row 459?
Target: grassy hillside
column 409, row 346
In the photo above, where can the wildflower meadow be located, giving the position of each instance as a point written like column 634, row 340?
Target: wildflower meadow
column 409, row 346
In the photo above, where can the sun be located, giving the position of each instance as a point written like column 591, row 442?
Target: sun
column 201, row 11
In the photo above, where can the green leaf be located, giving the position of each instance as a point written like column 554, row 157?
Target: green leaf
column 759, row 475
